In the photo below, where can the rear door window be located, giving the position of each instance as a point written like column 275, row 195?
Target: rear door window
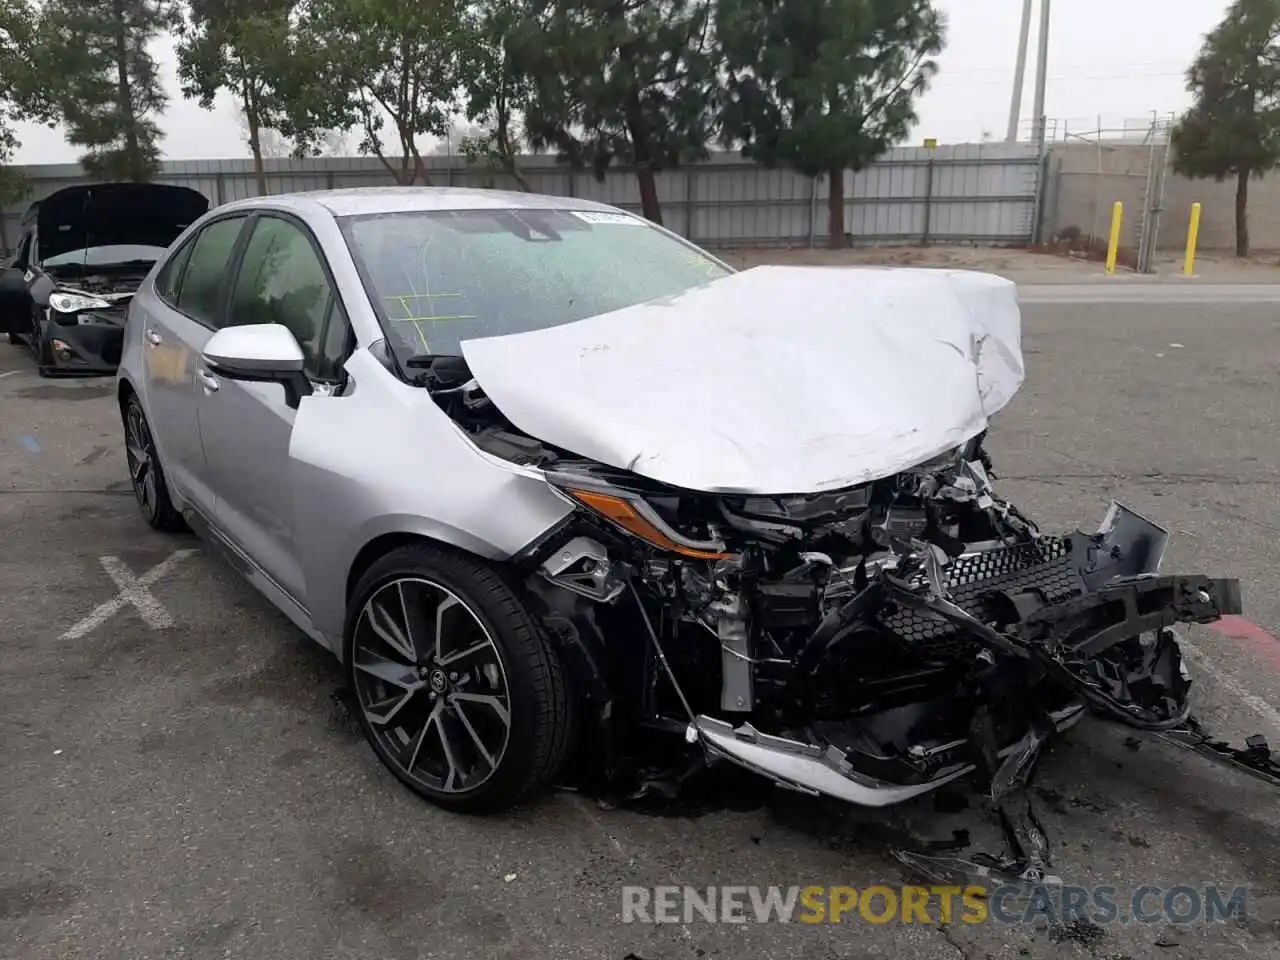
column 170, row 276
column 204, row 281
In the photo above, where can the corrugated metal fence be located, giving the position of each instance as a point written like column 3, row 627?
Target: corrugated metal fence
column 973, row 193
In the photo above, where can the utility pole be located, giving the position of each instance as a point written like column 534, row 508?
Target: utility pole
column 1019, row 72
column 1042, row 78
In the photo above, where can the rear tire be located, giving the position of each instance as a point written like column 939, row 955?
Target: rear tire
column 145, row 473
column 15, row 340
column 458, row 689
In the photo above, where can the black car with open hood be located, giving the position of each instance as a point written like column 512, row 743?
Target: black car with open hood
column 84, row 251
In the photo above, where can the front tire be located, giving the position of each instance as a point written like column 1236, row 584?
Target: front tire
column 457, row 688
column 145, row 473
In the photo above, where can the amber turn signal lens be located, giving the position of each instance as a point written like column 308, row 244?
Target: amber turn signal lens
column 623, row 513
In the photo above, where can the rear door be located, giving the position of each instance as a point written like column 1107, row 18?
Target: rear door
column 191, row 294
column 246, row 427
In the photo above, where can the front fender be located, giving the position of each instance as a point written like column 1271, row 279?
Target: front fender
column 383, row 458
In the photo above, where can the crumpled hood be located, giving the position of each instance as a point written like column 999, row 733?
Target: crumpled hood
column 774, row 380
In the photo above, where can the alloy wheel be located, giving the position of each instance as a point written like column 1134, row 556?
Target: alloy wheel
column 430, row 681
column 139, row 453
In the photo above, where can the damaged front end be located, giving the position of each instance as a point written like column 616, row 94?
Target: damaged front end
column 869, row 644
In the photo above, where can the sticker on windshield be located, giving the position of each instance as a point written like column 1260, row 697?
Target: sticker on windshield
column 621, row 219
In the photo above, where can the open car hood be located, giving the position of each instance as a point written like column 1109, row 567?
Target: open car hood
column 151, row 214
column 775, row 380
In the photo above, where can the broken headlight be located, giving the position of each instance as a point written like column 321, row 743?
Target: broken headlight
column 631, row 513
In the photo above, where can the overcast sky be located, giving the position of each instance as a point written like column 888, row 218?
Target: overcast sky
column 1121, row 59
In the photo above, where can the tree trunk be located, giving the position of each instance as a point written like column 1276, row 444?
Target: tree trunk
column 649, row 193
column 1242, row 213
column 835, row 209
column 412, row 166
column 642, row 157
column 124, row 95
column 250, row 104
column 509, row 161
column 502, row 142
column 419, row 165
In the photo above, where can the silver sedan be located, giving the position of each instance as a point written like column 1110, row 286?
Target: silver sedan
column 549, row 479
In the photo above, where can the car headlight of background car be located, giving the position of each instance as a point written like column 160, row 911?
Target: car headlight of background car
column 76, row 302
column 76, row 309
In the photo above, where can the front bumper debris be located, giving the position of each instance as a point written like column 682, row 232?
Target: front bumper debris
column 1256, row 757
column 1088, row 615
column 816, row 770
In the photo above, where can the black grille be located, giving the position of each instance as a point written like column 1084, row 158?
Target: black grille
column 1044, row 565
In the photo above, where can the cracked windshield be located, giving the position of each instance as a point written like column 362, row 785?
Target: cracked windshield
column 439, row 278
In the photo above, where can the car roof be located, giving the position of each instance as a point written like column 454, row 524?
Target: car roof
column 356, row 201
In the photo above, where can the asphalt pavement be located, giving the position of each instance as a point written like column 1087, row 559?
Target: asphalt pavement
column 179, row 778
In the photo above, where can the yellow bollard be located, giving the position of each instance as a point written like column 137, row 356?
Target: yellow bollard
column 1193, row 237
column 1113, row 245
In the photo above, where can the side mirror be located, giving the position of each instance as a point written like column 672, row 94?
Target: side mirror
column 259, row 353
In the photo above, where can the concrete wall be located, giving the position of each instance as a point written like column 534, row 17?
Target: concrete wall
column 1085, row 179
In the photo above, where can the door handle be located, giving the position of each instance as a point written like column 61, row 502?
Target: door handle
column 153, row 338
column 209, row 381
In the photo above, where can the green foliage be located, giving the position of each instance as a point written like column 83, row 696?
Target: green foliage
column 107, row 87
column 824, row 86
column 817, row 85
column 1234, row 123
column 497, row 93
column 1233, row 126
column 241, row 46
column 626, row 81
column 380, row 60
column 22, row 96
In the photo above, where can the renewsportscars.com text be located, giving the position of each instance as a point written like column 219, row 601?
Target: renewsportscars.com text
column 881, row 904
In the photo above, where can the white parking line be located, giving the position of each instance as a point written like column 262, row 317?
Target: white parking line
column 9, row 373
column 133, row 591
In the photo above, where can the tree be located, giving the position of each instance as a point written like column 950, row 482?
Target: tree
column 627, row 81
column 383, row 61
column 825, row 86
column 1233, row 126
column 22, row 96
column 497, row 93
column 454, row 136
column 241, row 46
column 275, row 144
column 107, row 87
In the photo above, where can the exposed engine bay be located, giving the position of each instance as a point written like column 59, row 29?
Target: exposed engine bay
column 869, row 644
column 99, row 280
